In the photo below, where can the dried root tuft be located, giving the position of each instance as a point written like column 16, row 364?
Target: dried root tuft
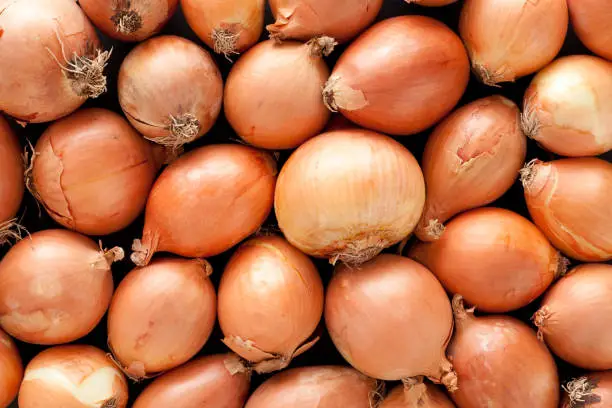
column 112, row 402
column 140, row 253
column 321, row 46
column 415, row 391
column 11, row 230
column 528, row 173
column 435, row 229
column 540, row 319
column 580, row 392
column 225, row 42
column 183, row 129
column 377, row 395
column 127, row 21
column 488, row 77
column 562, row 266
column 530, row 124
column 329, row 98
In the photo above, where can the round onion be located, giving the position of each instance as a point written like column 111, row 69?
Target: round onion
column 591, row 391
column 348, row 194
column 304, row 19
column 161, row 316
column 49, row 68
column 500, row 363
column 377, row 320
column 270, row 75
column 569, row 200
column 55, row 287
column 400, row 77
column 11, row 370
column 570, row 319
column 11, row 182
column 170, row 104
column 417, row 395
column 508, row 39
column 270, row 303
column 591, row 22
column 431, row 3
column 471, row 159
column 75, row 377
column 497, row 259
column 92, row 172
column 206, row 202
column 568, row 106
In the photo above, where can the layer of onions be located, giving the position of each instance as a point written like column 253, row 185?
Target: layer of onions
column 496, row 259
column 500, row 363
column 270, row 303
column 11, row 182
column 508, row 39
column 569, row 200
column 161, row 316
column 399, row 77
column 304, row 19
column 408, row 342
column 471, row 159
column 348, row 194
column 55, row 287
column 569, row 319
column 417, row 395
column 11, row 370
column 320, row 387
column 75, row 377
column 568, row 106
column 49, row 68
column 591, row 22
column 271, row 75
column 92, row 172
column 431, row 3
column 206, row 202
column 170, row 104
column 593, row 390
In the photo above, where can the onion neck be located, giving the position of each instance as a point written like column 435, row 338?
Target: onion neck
column 321, row 46
column 562, row 266
column 535, row 176
column 540, row 319
column 460, row 313
column 415, row 391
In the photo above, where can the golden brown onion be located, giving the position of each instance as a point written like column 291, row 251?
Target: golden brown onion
column 593, row 390
column 417, row 395
column 11, row 370
column 11, row 182
column 591, row 22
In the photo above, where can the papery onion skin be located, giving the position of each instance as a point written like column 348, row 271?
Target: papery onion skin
column 55, row 287
column 471, row 159
column 348, row 194
column 11, row 169
column 399, row 77
column 431, row 3
column 593, row 390
column 508, row 39
column 591, row 22
column 270, row 302
column 568, row 106
column 73, row 377
column 419, row 395
column 161, row 315
column 569, row 200
column 36, row 86
column 171, row 104
column 498, row 260
column 11, row 370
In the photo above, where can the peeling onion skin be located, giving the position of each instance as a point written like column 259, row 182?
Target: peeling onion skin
column 595, row 389
column 431, row 3
column 73, row 376
column 11, row 370
column 420, row 395
column 11, row 169
column 591, row 22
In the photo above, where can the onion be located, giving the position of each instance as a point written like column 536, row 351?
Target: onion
column 568, row 106
column 348, row 194
column 418, row 395
column 271, row 75
column 171, row 104
column 304, row 19
column 161, row 316
column 400, row 77
column 391, row 320
column 11, row 183
column 431, row 3
column 49, row 68
column 55, row 287
column 11, row 370
column 270, row 303
column 206, row 202
column 470, row 160
column 569, row 200
column 500, row 363
column 593, row 391
column 75, row 377
column 508, row 39
column 591, row 22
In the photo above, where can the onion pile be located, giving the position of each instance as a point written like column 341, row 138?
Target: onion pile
column 591, row 22
column 593, row 391
column 11, row 370
column 417, row 395
column 11, row 182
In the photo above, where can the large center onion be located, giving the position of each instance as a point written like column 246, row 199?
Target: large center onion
column 11, row 370
column 591, row 22
column 11, row 181
column 593, row 390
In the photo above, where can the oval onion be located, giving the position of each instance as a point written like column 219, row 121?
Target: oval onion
column 49, row 69
column 348, row 194
column 418, row 395
column 400, row 77
column 11, row 370
column 471, row 159
column 55, row 287
column 206, row 202
column 591, row 22
column 569, row 200
column 75, row 377
column 11, row 182
column 161, row 315
column 270, row 303
column 591, row 391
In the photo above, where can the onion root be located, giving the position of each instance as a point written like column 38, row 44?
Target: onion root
column 528, row 173
column 434, row 229
column 321, row 46
column 540, row 318
column 11, row 230
column 126, row 21
column 580, row 392
column 488, row 77
column 530, row 124
column 359, row 249
column 225, row 40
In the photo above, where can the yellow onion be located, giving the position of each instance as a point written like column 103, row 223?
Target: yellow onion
column 471, row 159
column 73, row 377
column 270, row 303
column 568, row 106
column 417, row 395
column 161, row 316
column 431, row 3
column 348, row 194
column 11, row 182
column 271, row 75
column 591, row 22
column 569, row 200
column 55, row 287
column 508, row 39
column 170, row 104
column 11, row 370
column 593, row 390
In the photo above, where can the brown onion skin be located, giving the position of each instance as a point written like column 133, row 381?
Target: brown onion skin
column 471, row 159
column 496, row 259
column 11, row 168
column 598, row 395
column 423, row 395
column 591, row 22
column 11, row 370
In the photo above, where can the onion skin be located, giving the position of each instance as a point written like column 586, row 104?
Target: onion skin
column 591, row 391
column 11, row 168
column 498, row 260
column 11, row 370
column 568, row 106
column 591, row 22
column 400, row 77
column 420, row 395
column 569, row 200
column 471, row 159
